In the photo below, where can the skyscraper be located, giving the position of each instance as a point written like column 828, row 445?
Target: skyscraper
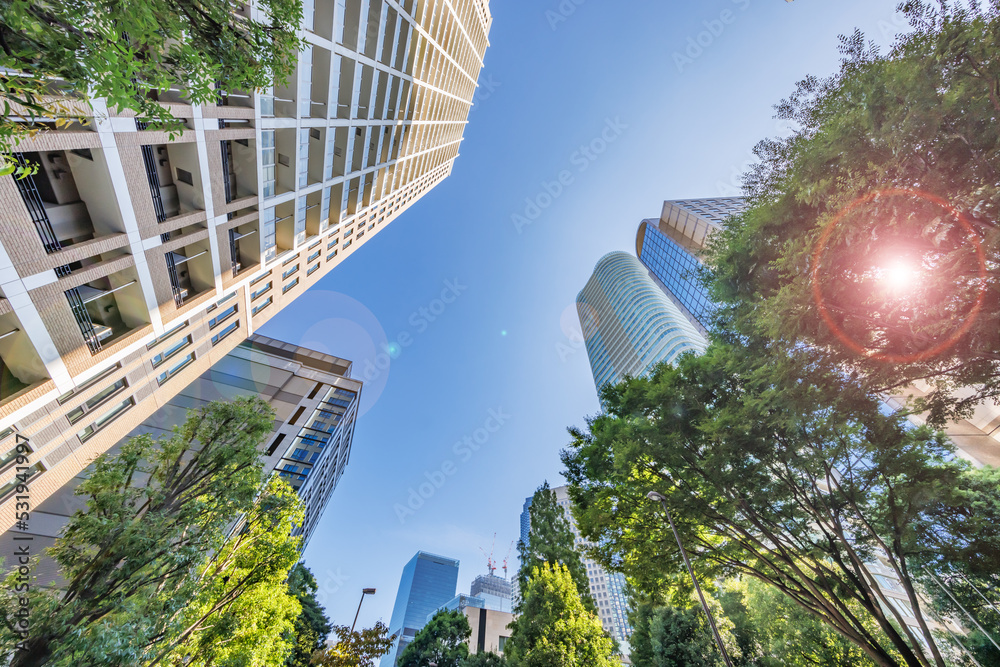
column 131, row 262
column 428, row 583
column 668, row 247
column 629, row 324
column 607, row 588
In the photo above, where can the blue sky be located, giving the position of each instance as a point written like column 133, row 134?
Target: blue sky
column 476, row 306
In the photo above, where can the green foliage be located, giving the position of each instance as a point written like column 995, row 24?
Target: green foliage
column 311, row 627
column 244, row 613
column 356, row 649
column 485, row 659
column 672, row 637
column 140, row 552
column 779, row 470
column 786, row 634
column 555, row 628
column 443, row 640
column 925, row 117
column 62, row 55
column 551, row 540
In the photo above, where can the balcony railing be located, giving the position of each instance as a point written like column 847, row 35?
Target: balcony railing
column 234, row 249
column 228, row 176
column 180, row 292
column 154, row 182
column 90, row 334
column 39, row 216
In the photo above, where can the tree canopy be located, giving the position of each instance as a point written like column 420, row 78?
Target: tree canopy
column 555, row 628
column 777, row 469
column 872, row 232
column 551, row 540
column 672, row 637
column 444, row 640
column 61, row 56
column 311, row 627
column 359, row 648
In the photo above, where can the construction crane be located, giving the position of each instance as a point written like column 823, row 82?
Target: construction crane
column 490, row 563
column 507, row 558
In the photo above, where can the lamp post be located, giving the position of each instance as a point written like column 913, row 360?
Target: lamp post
column 662, row 499
column 364, row 592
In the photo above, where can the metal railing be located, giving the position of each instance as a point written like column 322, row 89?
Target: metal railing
column 154, row 182
column 175, row 285
column 83, row 320
column 33, row 202
column 227, row 169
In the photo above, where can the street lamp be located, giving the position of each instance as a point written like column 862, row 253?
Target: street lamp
column 662, row 499
column 364, row 592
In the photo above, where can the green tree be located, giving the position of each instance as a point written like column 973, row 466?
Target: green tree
column 485, row 659
column 134, row 559
column 244, row 612
column 672, row 637
column 359, row 648
column 779, row 470
column 551, row 540
column 444, row 640
column 872, row 230
column 60, row 56
column 555, row 628
column 311, row 627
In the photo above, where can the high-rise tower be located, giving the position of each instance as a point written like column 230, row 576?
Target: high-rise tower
column 428, row 583
column 628, row 322
column 133, row 261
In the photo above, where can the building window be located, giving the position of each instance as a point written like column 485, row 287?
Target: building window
column 80, row 412
column 262, row 305
column 105, row 419
column 313, row 256
column 19, row 479
column 222, row 317
column 259, row 278
column 22, row 448
column 83, row 387
column 289, row 285
column 175, row 369
column 312, row 270
column 167, row 334
column 331, row 255
column 290, row 272
column 225, row 332
column 174, row 349
column 347, row 245
column 263, row 290
column 267, row 152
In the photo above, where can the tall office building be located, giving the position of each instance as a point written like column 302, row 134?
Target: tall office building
column 315, row 404
column 131, row 262
column 607, row 588
column 668, row 247
column 629, row 324
column 428, row 583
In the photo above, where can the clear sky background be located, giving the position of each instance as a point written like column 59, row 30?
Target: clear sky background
column 683, row 118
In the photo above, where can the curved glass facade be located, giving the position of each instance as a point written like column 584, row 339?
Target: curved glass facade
column 678, row 270
column 629, row 324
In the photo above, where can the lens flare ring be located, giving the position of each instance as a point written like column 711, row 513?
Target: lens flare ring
column 815, row 275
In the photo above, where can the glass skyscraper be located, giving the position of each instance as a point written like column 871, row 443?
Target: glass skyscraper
column 629, row 324
column 668, row 247
column 428, row 583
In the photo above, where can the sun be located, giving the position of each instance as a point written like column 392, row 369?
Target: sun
column 898, row 276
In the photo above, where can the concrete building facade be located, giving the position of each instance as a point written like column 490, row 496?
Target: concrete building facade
column 133, row 261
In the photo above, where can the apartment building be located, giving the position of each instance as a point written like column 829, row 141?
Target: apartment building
column 133, row 261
